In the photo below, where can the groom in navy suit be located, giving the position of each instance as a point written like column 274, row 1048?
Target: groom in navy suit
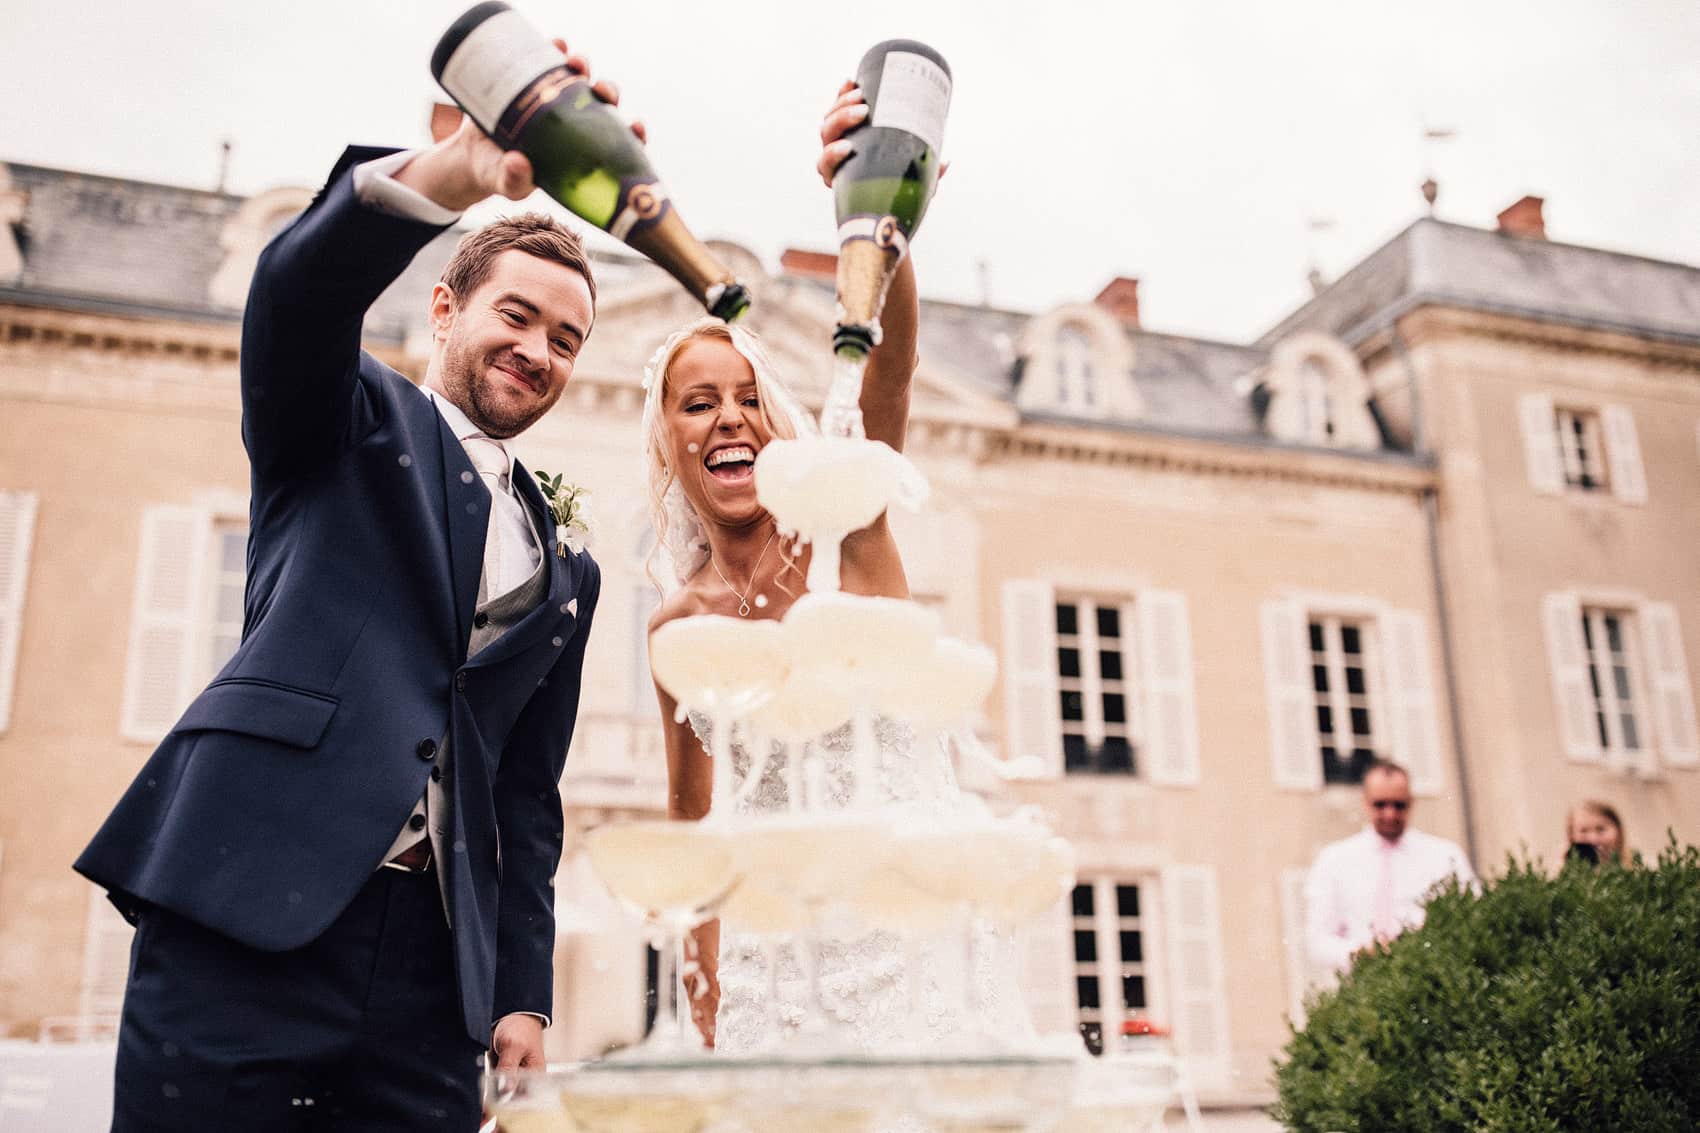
column 340, row 861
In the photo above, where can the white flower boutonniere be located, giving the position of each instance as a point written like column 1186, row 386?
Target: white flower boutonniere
column 570, row 505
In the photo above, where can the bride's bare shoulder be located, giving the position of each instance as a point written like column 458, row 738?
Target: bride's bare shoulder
column 684, row 602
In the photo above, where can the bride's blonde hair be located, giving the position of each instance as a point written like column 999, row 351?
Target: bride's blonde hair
column 679, row 535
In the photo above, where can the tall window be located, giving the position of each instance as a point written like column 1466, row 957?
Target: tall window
column 644, row 601
column 651, row 987
column 1340, row 678
column 1581, row 449
column 1109, row 958
column 1096, row 683
column 1316, row 419
column 1077, row 383
column 1612, row 647
column 225, row 586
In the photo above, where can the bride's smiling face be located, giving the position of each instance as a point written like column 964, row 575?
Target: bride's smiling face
column 715, row 430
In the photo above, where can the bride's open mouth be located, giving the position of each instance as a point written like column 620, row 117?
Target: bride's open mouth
column 731, row 464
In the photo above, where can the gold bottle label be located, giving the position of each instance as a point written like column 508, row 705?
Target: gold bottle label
column 869, row 250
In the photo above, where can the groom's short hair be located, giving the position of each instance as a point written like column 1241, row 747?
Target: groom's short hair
column 534, row 233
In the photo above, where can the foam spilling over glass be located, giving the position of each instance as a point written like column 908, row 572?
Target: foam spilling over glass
column 835, row 858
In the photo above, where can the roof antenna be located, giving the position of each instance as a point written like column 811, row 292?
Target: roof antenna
column 1317, row 225
column 224, row 148
column 1431, row 187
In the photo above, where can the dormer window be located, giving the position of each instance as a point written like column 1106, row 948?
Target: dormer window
column 1077, row 361
column 1316, row 419
column 1318, row 395
column 1077, row 380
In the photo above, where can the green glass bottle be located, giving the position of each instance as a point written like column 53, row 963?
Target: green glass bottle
column 883, row 188
column 513, row 83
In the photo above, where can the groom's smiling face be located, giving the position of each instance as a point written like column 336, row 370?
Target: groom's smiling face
column 506, row 351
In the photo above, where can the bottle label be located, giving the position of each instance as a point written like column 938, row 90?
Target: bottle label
column 914, row 95
column 882, row 231
column 495, row 64
column 645, row 203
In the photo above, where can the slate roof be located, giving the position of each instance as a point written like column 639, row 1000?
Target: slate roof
column 104, row 243
column 1436, row 262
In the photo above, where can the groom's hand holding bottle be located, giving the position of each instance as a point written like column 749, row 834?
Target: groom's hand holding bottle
column 467, row 167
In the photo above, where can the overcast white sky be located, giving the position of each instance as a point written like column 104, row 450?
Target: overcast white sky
column 1188, row 143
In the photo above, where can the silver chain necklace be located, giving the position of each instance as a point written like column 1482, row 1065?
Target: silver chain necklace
column 743, row 602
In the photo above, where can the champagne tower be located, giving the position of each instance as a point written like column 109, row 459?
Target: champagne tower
column 516, row 87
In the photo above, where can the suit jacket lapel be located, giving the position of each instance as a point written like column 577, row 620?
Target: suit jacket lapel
column 467, row 503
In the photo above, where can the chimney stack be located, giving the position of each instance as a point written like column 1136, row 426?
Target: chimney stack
column 445, row 120
column 1120, row 297
column 810, row 265
column 1524, row 219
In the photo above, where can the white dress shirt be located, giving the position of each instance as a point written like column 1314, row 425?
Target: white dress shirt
column 1358, row 881
column 375, row 186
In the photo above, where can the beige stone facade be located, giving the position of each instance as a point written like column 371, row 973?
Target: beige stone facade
column 1165, row 539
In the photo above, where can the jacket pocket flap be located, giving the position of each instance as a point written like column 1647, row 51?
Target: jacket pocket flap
column 254, row 708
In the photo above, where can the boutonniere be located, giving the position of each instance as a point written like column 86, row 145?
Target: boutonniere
column 570, row 505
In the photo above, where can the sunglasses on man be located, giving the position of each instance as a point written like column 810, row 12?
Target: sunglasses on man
column 1395, row 804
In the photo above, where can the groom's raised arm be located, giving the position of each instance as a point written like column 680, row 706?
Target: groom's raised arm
column 301, row 330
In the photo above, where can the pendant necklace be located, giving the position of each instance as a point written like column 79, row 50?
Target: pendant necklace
column 743, row 602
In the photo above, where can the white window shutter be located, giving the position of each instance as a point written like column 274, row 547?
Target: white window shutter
column 1623, row 455
column 160, row 674
column 1292, row 711
column 1673, row 696
column 1032, row 712
column 106, row 965
column 1171, row 715
column 1047, row 970
column 1198, row 995
column 1567, row 659
column 1540, row 443
column 1293, row 944
column 17, row 529
column 1414, row 729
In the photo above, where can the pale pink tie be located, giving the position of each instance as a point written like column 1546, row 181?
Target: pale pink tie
column 493, row 464
column 1385, row 924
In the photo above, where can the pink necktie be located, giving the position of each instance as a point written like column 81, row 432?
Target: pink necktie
column 1385, row 925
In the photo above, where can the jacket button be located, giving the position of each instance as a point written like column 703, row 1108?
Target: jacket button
column 480, row 620
column 417, row 822
column 460, row 682
column 427, row 749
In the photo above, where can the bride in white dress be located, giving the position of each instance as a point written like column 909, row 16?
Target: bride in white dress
column 713, row 402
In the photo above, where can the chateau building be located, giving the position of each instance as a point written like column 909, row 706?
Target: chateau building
column 1445, row 512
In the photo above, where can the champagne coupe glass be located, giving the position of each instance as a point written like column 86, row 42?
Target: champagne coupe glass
column 674, row 875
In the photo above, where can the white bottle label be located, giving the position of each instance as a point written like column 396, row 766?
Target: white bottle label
column 914, row 95
column 495, row 63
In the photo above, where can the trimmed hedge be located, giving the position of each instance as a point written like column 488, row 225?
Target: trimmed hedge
column 1543, row 1004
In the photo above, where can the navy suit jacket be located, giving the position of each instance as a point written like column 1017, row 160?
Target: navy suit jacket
column 274, row 798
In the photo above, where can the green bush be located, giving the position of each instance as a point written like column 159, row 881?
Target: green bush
column 1540, row 1005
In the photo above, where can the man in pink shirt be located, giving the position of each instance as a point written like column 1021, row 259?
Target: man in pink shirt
column 1371, row 887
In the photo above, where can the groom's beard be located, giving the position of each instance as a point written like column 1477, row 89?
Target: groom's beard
column 486, row 397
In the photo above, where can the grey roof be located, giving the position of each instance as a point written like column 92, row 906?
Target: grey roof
column 105, row 243
column 1194, row 385
column 1453, row 265
column 101, row 238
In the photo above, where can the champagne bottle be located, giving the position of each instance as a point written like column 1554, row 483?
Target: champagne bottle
column 882, row 189
column 514, row 84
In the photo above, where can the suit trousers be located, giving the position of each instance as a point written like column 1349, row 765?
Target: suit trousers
column 361, row 1029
